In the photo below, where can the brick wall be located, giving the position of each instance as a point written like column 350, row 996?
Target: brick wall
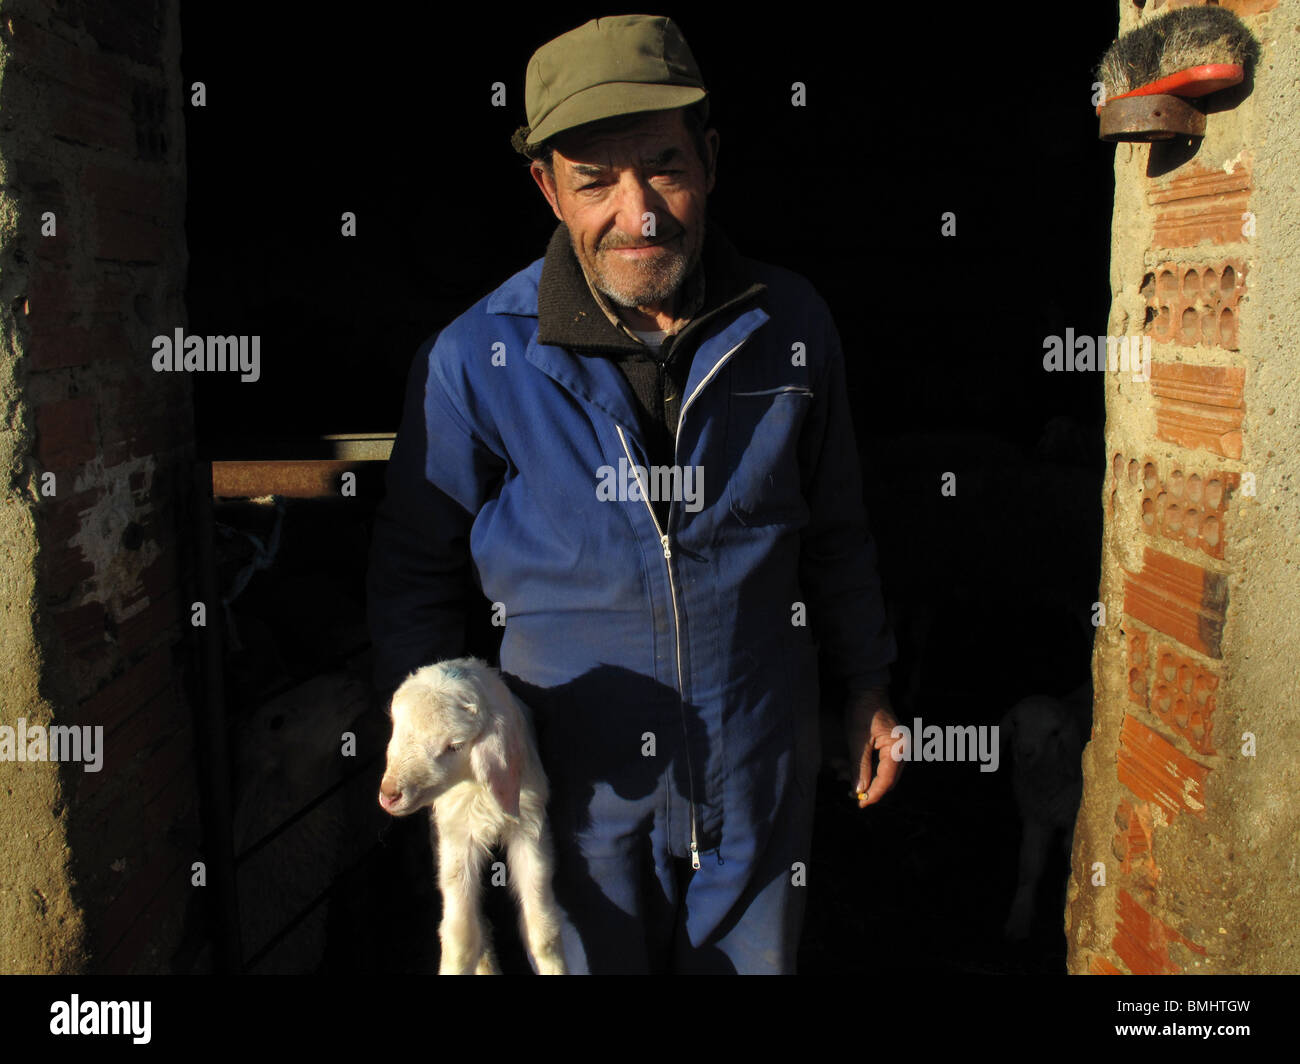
column 1186, row 833
column 91, row 130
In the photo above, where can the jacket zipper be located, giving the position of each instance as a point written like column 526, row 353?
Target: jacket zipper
column 672, row 583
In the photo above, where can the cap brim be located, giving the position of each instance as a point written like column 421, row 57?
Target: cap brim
column 610, row 100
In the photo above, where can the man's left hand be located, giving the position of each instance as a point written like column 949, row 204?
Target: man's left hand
column 868, row 721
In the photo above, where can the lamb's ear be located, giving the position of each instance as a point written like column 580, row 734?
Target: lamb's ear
column 497, row 759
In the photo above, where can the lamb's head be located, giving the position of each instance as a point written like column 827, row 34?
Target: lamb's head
column 437, row 719
column 1043, row 737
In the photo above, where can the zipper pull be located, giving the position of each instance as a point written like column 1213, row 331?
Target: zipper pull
column 695, row 850
column 667, row 550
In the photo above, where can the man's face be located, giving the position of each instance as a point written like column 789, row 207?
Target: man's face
column 633, row 200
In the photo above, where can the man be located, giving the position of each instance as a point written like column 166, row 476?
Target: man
column 640, row 446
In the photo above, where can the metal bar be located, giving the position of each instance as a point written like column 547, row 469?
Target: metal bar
column 308, row 479
column 210, row 743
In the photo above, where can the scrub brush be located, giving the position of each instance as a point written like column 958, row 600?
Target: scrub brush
column 1191, row 51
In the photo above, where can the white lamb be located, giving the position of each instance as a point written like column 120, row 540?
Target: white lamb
column 462, row 744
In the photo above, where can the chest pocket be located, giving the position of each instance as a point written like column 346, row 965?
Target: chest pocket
column 763, row 429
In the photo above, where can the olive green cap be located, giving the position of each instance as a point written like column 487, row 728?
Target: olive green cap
column 606, row 67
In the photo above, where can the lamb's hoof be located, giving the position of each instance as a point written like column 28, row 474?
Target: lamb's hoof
column 486, row 964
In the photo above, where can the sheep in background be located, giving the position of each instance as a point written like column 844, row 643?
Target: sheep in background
column 1046, row 741
column 287, row 753
column 462, row 744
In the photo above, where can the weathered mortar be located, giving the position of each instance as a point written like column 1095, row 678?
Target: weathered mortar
column 43, row 928
column 94, row 866
column 1200, row 853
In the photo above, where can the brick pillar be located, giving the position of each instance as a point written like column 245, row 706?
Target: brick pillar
column 96, row 523
column 1189, row 809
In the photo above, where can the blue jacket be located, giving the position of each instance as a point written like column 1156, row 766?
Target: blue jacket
column 642, row 649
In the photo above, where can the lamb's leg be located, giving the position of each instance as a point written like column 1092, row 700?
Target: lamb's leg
column 466, row 947
column 1034, row 845
column 487, row 964
column 531, row 861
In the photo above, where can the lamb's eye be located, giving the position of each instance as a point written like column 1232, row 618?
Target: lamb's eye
column 453, row 748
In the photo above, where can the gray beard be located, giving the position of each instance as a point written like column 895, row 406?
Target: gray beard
column 656, row 282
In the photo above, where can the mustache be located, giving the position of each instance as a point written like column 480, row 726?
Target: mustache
column 615, row 243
